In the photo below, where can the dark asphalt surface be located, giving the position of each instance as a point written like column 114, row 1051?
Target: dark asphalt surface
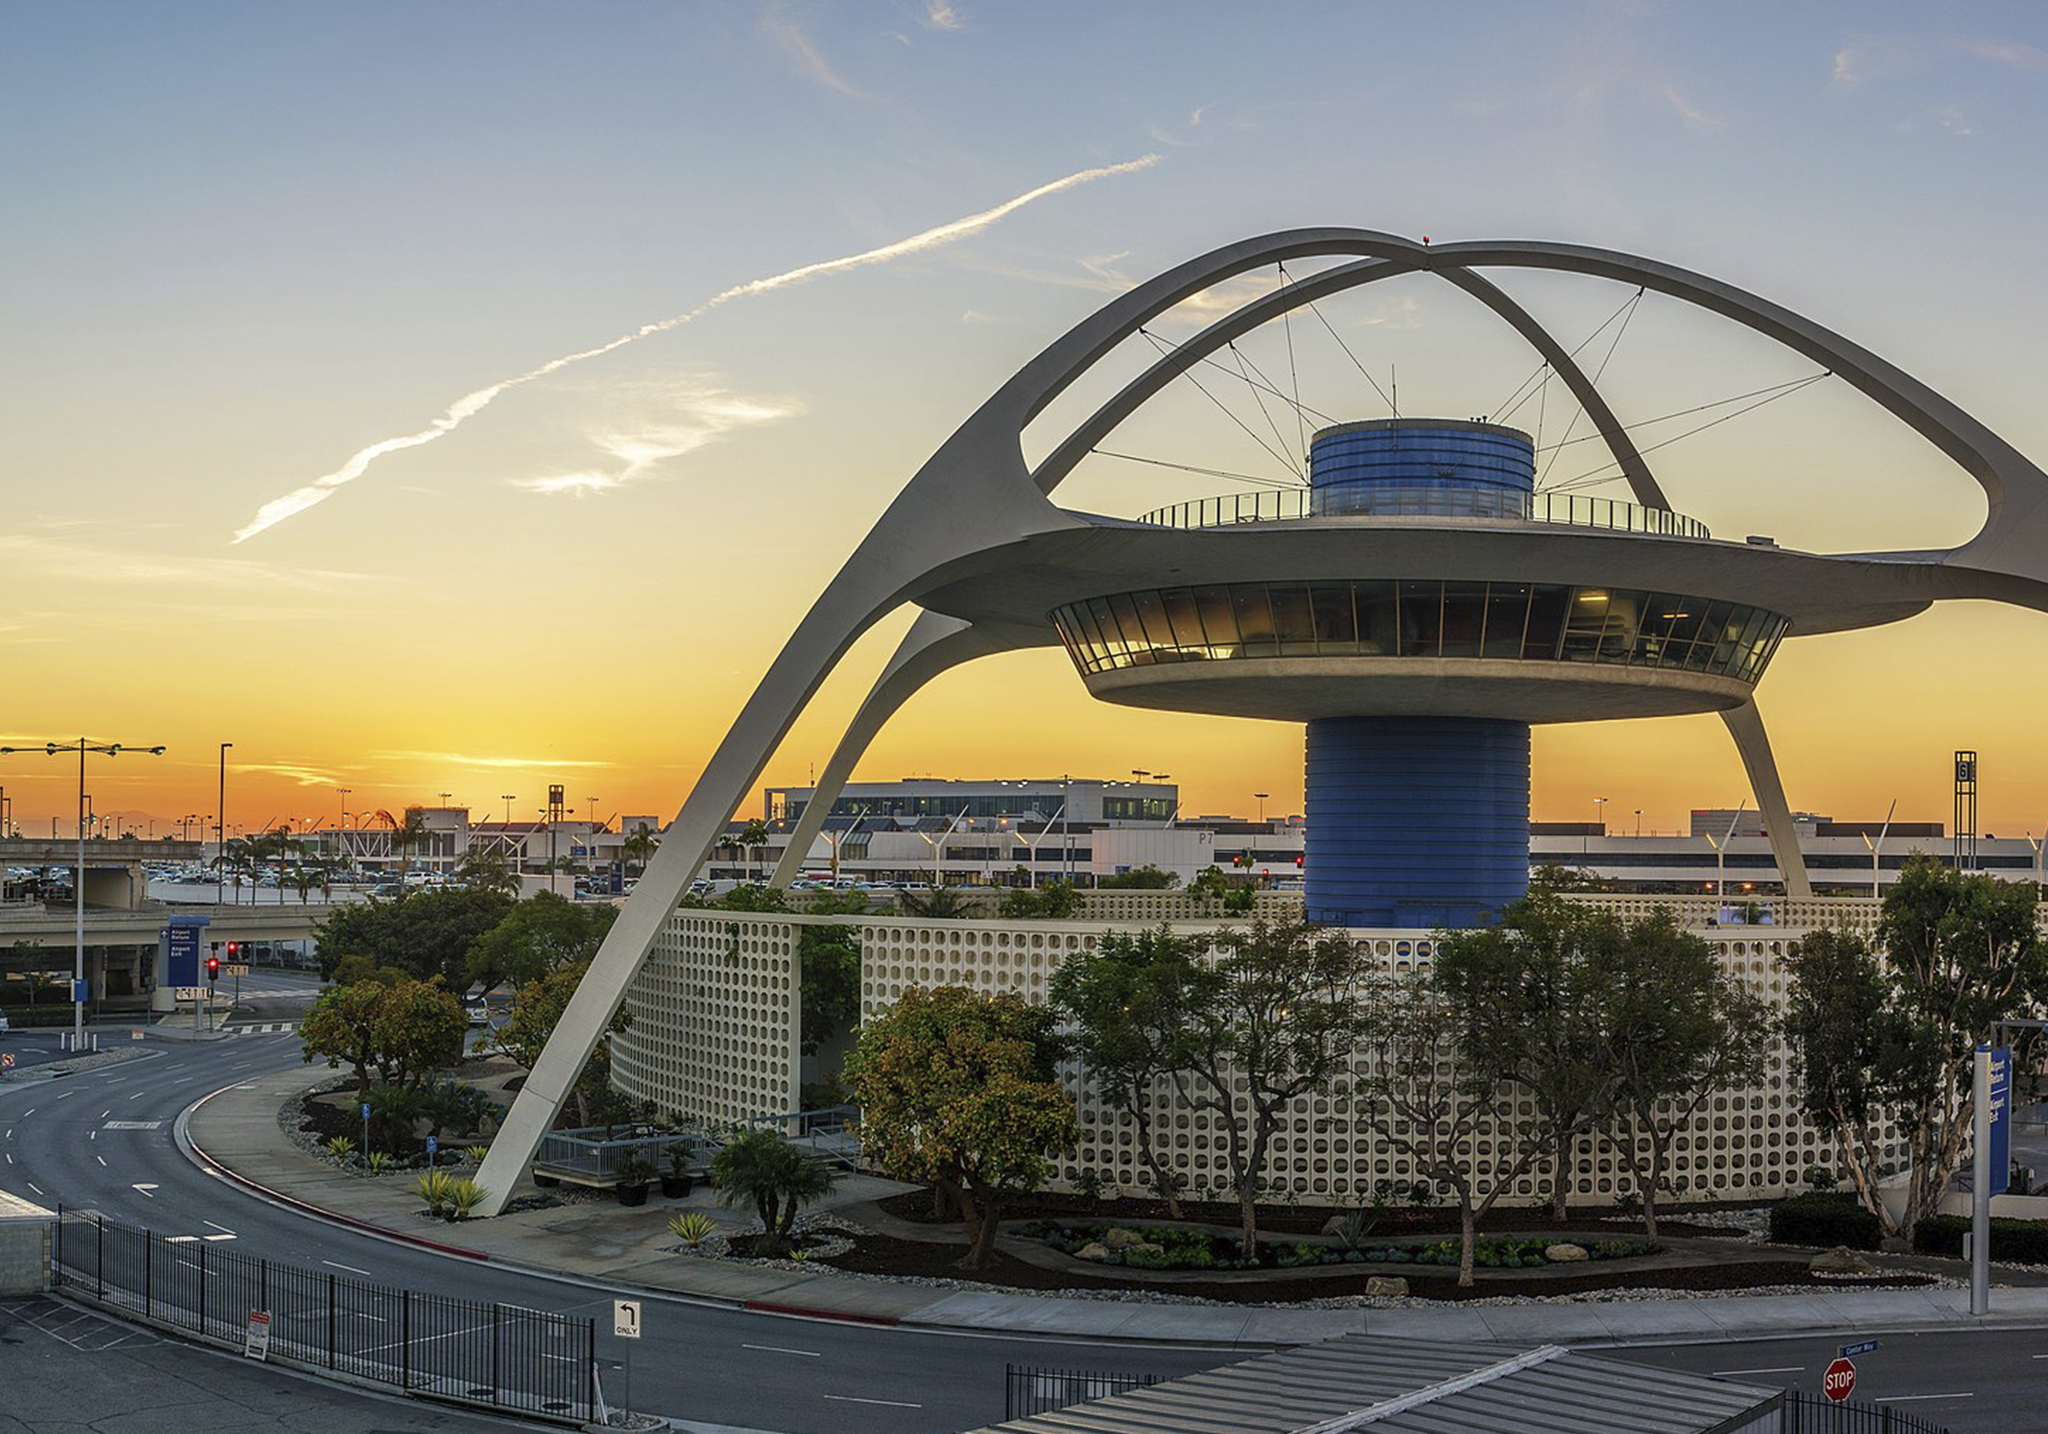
column 102, row 1140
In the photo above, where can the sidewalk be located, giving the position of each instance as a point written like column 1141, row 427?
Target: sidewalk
column 236, row 1131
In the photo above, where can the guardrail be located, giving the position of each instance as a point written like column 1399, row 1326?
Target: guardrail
column 1029, row 1389
column 586, row 1157
column 1294, row 504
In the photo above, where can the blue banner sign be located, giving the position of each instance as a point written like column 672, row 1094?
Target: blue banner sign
column 183, row 966
column 2001, row 1118
column 1850, row 1351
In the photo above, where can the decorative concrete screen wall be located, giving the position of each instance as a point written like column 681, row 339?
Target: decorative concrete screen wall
column 716, row 1014
column 1153, row 907
column 1744, row 1144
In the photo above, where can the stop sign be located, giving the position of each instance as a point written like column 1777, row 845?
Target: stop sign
column 1839, row 1380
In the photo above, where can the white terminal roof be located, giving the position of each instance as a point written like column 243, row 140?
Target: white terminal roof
column 1405, row 1386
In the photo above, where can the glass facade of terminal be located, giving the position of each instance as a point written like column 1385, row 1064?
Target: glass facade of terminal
column 1531, row 622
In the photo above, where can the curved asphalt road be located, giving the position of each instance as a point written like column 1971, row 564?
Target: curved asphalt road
column 102, row 1140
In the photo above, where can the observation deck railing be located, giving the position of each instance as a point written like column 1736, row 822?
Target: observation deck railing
column 1294, row 504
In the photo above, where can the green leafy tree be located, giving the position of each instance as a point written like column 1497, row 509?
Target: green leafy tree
column 537, row 1009
column 829, row 960
column 543, row 933
column 426, row 934
column 760, row 1168
column 341, row 1028
column 1675, row 1030
column 1140, row 878
column 1847, row 1043
column 1053, row 900
column 1955, row 952
column 419, row 1030
column 958, row 1089
column 1525, row 993
column 487, row 871
column 1437, row 1096
column 1272, row 1019
column 1127, row 1001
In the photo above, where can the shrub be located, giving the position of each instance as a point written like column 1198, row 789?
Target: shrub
column 693, row 1228
column 2022, row 1242
column 475, row 1154
column 464, row 1195
column 341, row 1147
column 1825, row 1218
column 378, row 1162
column 432, row 1187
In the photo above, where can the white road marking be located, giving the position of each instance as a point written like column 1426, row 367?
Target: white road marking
column 10, row 1157
column 27, row 1113
column 35, row 1187
column 149, row 1190
column 216, row 1237
column 105, row 1113
column 217, row 1227
column 1906, row 1398
column 778, row 1349
column 92, row 1135
column 67, row 1095
column 180, row 1239
column 138, row 1095
column 350, row 1268
column 856, row 1399
column 101, row 1158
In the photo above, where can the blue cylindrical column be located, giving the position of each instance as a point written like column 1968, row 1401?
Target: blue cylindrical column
column 1444, row 467
column 1416, row 821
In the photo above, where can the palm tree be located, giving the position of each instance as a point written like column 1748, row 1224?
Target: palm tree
column 753, row 836
column 779, row 1179
column 408, row 835
column 640, row 846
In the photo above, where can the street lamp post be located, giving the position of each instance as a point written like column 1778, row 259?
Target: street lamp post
column 220, row 831
column 1586, row 846
column 81, row 746
column 1262, row 805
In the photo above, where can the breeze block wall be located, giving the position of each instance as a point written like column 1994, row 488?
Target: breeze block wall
column 716, row 1019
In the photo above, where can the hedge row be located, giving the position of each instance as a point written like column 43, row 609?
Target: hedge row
column 1825, row 1218
column 45, row 1014
column 2021, row 1242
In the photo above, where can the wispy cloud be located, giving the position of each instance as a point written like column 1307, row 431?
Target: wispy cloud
column 1875, row 57
column 784, row 30
column 698, row 414
column 1688, row 112
column 1947, row 117
column 303, row 776
column 465, row 759
column 939, row 15
column 179, row 572
column 1181, row 134
column 469, row 405
column 2006, row 52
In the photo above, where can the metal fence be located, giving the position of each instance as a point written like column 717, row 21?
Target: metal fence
column 504, row 1357
column 1028, row 1389
column 1293, row 504
column 1806, row 1413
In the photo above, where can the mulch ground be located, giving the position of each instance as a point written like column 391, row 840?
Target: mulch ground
column 882, row 1255
column 916, row 1205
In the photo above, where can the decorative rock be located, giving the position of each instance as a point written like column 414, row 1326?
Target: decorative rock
column 1386, row 1286
column 1840, row 1261
column 1122, row 1239
column 1565, row 1254
column 1093, row 1250
column 1145, row 1247
column 1334, row 1225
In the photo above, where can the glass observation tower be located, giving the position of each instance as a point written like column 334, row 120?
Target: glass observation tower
column 1418, row 679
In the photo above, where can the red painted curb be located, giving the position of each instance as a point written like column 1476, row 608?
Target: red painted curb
column 807, row 1312
column 315, row 1210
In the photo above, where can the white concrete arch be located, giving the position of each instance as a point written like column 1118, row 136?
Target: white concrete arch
column 973, row 508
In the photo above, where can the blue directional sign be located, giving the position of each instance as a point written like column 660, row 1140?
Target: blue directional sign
column 2001, row 1118
column 1850, row 1351
column 183, row 966
column 433, row 1146
column 81, row 992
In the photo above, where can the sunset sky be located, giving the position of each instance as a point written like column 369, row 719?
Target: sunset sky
column 292, row 462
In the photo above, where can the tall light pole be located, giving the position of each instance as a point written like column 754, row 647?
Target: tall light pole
column 220, row 831
column 508, row 798
column 593, row 812
column 81, row 746
column 1599, row 821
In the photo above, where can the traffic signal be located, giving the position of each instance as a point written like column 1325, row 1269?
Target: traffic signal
column 213, row 968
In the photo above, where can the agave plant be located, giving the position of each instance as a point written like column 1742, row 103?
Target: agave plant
column 341, row 1147
column 693, row 1228
column 475, row 1154
column 433, row 1187
column 378, row 1162
column 464, row 1195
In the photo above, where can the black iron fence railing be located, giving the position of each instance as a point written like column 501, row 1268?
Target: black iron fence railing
column 1028, row 1389
column 496, row 1356
column 1806, row 1413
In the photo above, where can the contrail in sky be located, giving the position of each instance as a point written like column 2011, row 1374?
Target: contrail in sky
column 471, row 404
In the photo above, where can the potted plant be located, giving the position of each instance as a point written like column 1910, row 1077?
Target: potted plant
column 634, row 1173
column 677, row 1182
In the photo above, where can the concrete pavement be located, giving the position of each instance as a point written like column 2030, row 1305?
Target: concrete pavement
column 236, row 1131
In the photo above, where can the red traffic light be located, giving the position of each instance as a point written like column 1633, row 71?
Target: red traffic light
column 213, row 967
column 233, row 947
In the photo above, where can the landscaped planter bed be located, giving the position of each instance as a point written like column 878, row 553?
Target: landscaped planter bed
column 1156, row 1247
